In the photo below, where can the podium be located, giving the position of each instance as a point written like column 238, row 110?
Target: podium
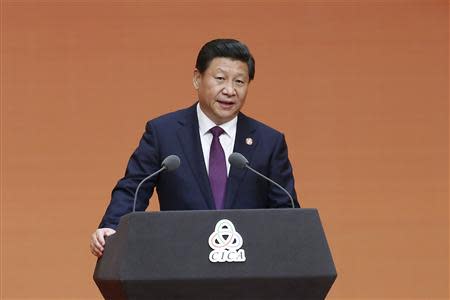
column 217, row 255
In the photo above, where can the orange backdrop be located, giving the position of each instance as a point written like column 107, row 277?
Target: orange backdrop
column 359, row 87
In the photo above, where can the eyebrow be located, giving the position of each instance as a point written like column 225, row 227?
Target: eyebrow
column 222, row 70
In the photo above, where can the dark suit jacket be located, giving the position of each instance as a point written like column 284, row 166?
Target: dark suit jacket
column 187, row 188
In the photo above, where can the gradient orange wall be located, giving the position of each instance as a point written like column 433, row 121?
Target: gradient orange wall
column 359, row 87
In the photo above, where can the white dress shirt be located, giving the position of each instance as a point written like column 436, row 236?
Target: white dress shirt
column 226, row 139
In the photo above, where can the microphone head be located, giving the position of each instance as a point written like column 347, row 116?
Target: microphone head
column 238, row 160
column 171, row 162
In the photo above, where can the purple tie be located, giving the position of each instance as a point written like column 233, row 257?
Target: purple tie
column 217, row 168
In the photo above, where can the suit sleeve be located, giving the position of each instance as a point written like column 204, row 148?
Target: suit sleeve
column 281, row 172
column 144, row 161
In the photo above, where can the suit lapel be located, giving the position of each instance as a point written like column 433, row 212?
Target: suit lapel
column 189, row 137
column 245, row 143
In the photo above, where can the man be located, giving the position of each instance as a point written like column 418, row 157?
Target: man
column 204, row 136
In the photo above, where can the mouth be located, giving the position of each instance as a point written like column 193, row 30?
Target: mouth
column 225, row 104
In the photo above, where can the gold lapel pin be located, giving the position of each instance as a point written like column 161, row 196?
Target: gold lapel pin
column 249, row 141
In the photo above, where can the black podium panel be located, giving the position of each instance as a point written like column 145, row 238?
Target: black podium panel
column 166, row 255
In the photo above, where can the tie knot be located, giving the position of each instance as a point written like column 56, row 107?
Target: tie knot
column 216, row 131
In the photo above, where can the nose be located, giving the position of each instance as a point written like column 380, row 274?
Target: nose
column 228, row 89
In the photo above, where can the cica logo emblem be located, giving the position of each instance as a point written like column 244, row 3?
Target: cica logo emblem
column 226, row 243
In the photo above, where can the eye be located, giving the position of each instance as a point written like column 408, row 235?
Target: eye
column 220, row 78
column 240, row 82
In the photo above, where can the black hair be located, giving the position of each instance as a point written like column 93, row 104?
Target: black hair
column 228, row 48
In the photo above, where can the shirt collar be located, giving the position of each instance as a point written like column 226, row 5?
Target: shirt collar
column 205, row 123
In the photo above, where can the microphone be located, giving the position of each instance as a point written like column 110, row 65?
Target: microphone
column 239, row 161
column 170, row 163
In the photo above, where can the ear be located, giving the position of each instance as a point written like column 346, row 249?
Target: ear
column 196, row 79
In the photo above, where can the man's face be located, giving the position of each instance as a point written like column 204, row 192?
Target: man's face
column 222, row 88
